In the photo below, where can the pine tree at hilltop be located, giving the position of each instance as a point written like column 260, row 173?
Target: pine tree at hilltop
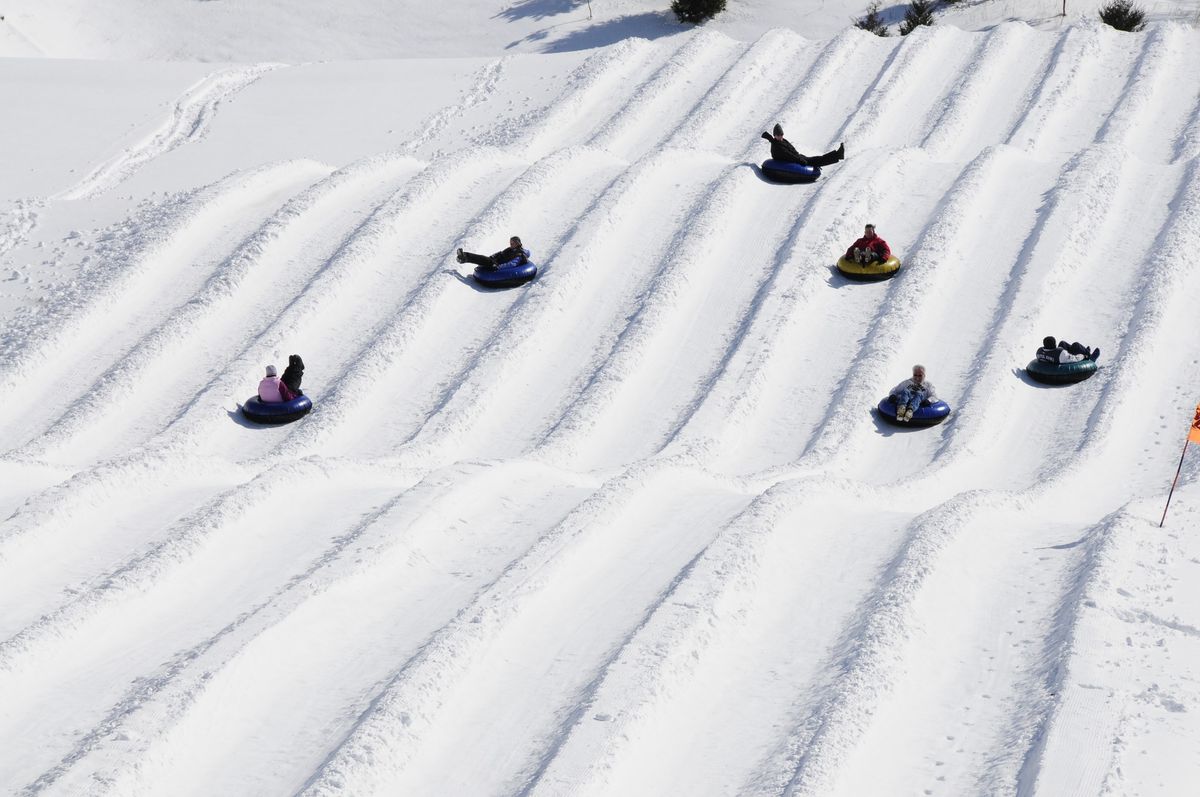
column 697, row 11
column 871, row 22
column 920, row 12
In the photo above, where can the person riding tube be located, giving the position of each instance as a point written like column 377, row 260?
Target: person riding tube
column 505, row 269
column 788, row 165
column 869, row 258
column 1060, row 363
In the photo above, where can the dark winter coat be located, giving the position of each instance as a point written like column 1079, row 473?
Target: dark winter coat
column 507, row 256
column 293, row 374
column 782, row 150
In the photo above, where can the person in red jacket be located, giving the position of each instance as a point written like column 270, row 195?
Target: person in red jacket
column 869, row 249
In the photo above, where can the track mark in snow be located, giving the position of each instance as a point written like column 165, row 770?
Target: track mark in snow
column 1022, row 762
column 374, row 571
column 979, row 109
column 638, row 128
column 144, row 283
column 19, row 221
column 715, row 122
column 870, row 660
column 394, row 370
column 601, row 83
column 189, row 121
column 404, row 719
column 878, row 358
column 914, row 79
column 483, row 85
column 238, row 300
column 671, row 727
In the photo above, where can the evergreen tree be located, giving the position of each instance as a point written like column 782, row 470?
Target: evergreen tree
column 871, row 22
column 1123, row 15
column 697, row 11
column 920, row 12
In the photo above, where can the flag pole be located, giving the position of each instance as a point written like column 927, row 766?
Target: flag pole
column 1177, row 471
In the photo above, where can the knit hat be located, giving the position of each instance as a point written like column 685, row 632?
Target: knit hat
column 778, row 129
column 1049, row 342
column 271, row 370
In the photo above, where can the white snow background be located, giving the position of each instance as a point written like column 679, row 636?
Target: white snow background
column 633, row 528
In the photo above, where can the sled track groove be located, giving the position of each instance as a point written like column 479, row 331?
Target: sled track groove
column 245, row 279
column 188, row 121
column 358, row 563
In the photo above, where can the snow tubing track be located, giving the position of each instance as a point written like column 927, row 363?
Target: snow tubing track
column 553, row 541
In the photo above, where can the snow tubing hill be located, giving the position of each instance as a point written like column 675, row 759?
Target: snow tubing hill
column 1060, row 373
column 258, row 411
column 925, row 415
column 872, row 272
column 785, row 172
column 505, row 275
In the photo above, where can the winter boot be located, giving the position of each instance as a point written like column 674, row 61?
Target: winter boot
column 1095, row 354
column 841, row 151
column 461, row 259
column 908, row 413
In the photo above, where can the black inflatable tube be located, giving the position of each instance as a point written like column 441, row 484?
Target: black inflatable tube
column 792, row 173
column 258, row 411
column 1060, row 373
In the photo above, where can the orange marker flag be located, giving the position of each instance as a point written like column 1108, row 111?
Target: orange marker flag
column 1193, row 437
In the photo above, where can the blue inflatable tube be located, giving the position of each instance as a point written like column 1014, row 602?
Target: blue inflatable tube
column 258, row 411
column 925, row 415
column 785, row 172
column 506, row 275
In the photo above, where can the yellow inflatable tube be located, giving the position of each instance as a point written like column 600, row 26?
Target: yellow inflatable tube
column 870, row 272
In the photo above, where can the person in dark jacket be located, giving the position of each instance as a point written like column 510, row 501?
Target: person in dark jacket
column 1059, row 351
column 293, row 374
column 782, row 150
column 514, row 255
column 869, row 249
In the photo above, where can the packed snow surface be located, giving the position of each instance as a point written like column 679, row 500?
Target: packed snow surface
column 633, row 528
